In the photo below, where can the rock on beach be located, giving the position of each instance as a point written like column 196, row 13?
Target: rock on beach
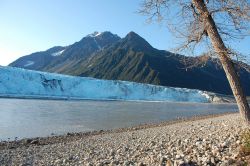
column 211, row 141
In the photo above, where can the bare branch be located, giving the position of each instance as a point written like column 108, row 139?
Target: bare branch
column 232, row 18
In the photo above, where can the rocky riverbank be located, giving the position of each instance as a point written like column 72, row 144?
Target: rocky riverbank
column 204, row 141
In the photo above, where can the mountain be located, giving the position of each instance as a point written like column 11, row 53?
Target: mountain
column 132, row 58
column 38, row 60
column 58, row 58
column 22, row 83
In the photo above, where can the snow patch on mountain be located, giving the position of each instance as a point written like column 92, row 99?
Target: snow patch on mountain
column 58, row 53
column 29, row 63
column 95, row 34
column 26, row 83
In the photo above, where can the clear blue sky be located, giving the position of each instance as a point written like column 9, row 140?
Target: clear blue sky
column 27, row 26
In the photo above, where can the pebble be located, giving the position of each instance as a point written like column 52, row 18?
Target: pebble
column 176, row 144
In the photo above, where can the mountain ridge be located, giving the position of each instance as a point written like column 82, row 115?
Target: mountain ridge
column 132, row 58
column 71, row 54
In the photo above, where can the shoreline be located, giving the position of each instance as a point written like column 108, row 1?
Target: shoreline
column 56, row 98
column 226, row 99
column 67, row 137
column 201, row 140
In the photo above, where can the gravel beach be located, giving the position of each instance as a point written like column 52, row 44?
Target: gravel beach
column 213, row 140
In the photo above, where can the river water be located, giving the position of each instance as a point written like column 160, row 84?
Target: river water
column 25, row 118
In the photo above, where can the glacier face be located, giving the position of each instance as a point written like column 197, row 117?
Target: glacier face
column 19, row 82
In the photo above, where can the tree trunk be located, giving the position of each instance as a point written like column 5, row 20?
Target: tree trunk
column 224, row 58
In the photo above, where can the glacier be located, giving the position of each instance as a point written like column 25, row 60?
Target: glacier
column 17, row 82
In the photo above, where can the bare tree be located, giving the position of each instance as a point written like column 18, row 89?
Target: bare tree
column 213, row 22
